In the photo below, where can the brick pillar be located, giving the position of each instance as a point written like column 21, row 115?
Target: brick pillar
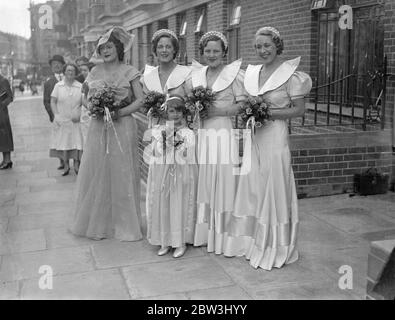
column 173, row 23
column 217, row 15
column 191, row 21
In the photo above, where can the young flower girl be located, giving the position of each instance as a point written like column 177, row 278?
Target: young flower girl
column 171, row 188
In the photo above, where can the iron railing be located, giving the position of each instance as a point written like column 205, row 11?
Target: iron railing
column 351, row 100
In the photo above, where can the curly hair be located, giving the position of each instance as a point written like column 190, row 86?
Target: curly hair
column 174, row 42
column 278, row 42
column 203, row 44
column 68, row 64
column 118, row 46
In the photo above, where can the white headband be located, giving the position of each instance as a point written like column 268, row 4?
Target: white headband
column 270, row 29
column 162, row 32
column 214, row 33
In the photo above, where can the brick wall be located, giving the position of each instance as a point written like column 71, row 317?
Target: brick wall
column 321, row 167
column 328, row 165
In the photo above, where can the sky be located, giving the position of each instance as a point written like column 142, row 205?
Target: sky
column 15, row 16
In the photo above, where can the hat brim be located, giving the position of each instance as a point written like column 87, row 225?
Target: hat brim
column 59, row 60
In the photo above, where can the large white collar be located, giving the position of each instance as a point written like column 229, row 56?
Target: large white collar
column 224, row 80
column 277, row 78
column 176, row 78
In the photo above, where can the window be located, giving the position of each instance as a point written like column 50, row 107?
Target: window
column 236, row 14
column 201, row 28
column 358, row 51
column 234, row 17
column 201, row 24
column 182, row 32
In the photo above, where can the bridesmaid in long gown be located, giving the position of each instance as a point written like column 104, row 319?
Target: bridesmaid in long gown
column 264, row 225
column 217, row 156
column 167, row 78
column 108, row 191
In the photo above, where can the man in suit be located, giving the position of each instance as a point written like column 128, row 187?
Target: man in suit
column 80, row 61
column 56, row 62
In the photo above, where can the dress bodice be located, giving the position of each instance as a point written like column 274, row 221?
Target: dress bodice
column 119, row 80
column 284, row 85
column 228, row 87
column 151, row 80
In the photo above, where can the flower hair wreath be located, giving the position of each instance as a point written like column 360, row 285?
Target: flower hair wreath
column 214, row 33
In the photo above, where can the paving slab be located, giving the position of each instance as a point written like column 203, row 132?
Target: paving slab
column 42, row 182
column 62, row 238
column 44, row 196
column 94, row 285
column 175, row 296
column 63, row 261
column 9, row 290
column 25, row 241
column 312, row 228
column 8, row 211
column 304, row 291
column 174, row 277
column 37, row 221
column 51, row 206
column 355, row 220
column 224, row 293
column 116, row 254
column 251, row 279
column 330, row 263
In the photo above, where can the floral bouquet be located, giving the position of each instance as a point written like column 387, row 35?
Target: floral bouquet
column 100, row 100
column 102, row 104
column 255, row 112
column 154, row 105
column 199, row 100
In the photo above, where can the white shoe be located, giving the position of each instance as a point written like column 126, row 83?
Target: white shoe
column 179, row 252
column 163, row 251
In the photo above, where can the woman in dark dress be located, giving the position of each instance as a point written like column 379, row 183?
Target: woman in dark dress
column 6, row 142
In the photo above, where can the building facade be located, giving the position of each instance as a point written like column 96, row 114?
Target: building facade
column 49, row 38
column 347, row 46
column 15, row 55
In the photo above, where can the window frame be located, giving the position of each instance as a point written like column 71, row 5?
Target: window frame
column 233, row 30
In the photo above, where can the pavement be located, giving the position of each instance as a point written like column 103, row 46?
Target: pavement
column 35, row 202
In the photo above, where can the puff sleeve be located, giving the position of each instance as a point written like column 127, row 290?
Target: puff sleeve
column 299, row 85
column 238, row 86
column 132, row 73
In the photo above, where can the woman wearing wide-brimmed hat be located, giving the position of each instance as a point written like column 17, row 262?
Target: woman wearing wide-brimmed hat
column 108, row 191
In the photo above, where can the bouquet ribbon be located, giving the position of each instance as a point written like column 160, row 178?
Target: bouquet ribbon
column 251, row 124
column 149, row 115
column 110, row 124
column 196, row 119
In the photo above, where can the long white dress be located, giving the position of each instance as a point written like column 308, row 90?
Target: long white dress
column 67, row 135
column 171, row 195
column 264, row 224
column 217, row 157
column 171, row 215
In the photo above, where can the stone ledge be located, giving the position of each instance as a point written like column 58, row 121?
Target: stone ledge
column 381, row 273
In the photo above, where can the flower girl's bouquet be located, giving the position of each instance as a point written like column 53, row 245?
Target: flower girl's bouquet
column 201, row 99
